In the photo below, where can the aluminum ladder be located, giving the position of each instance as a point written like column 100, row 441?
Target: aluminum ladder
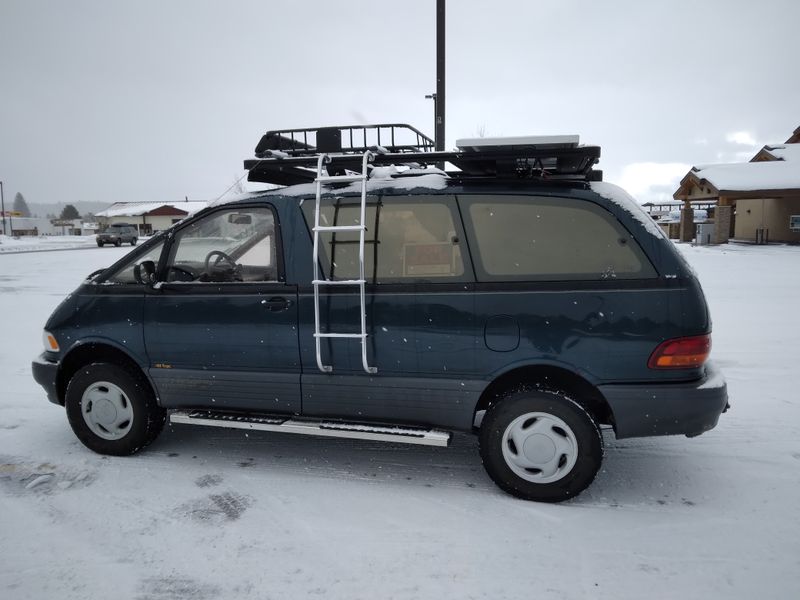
column 318, row 281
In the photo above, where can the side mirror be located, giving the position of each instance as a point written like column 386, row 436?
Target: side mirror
column 145, row 272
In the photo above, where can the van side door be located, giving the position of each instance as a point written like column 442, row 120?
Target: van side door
column 421, row 331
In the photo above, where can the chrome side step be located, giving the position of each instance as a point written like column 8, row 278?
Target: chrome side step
column 326, row 428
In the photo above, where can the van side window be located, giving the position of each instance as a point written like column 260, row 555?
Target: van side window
column 412, row 238
column 549, row 239
column 232, row 245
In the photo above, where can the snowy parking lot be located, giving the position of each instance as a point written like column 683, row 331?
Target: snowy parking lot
column 205, row 514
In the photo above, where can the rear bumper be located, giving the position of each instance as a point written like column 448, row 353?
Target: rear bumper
column 642, row 410
column 44, row 373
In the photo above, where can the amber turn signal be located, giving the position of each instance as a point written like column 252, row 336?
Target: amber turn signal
column 50, row 343
column 681, row 353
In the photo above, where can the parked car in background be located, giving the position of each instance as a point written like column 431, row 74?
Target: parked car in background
column 118, row 234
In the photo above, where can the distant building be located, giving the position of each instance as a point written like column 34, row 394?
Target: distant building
column 148, row 217
column 756, row 201
column 28, row 226
column 667, row 214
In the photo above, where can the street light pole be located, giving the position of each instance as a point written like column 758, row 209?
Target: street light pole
column 3, row 207
column 438, row 100
column 438, row 96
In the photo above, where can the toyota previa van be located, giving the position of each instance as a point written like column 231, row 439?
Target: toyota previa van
column 383, row 290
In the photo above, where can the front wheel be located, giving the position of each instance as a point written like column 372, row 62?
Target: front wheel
column 133, row 242
column 113, row 410
column 540, row 445
column 118, row 243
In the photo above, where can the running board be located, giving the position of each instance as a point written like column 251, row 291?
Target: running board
column 327, row 428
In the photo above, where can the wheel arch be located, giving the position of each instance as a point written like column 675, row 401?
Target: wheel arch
column 548, row 377
column 90, row 352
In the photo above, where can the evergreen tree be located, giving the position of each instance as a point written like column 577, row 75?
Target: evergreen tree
column 70, row 212
column 21, row 206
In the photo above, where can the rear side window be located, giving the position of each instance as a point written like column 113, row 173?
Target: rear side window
column 549, row 239
column 414, row 238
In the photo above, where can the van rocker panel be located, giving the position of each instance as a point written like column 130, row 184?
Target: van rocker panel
column 435, row 402
column 220, row 390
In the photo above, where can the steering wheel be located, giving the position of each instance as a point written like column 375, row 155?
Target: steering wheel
column 216, row 266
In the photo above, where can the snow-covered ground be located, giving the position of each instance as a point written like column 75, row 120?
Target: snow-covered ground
column 43, row 243
column 208, row 514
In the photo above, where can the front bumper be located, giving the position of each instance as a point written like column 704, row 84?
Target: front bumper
column 642, row 410
column 45, row 371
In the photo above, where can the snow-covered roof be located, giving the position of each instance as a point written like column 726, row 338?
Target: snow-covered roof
column 787, row 152
column 433, row 179
column 751, row 176
column 136, row 209
column 624, row 200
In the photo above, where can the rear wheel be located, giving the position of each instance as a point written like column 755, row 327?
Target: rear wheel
column 540, row 445
column 112, row 409
column 118, row 243
column 133, row 241
column 99, row 244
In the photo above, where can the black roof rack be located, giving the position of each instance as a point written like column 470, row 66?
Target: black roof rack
column 289, row 156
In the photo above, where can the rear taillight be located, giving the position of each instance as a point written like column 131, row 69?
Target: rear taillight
column 681, row 353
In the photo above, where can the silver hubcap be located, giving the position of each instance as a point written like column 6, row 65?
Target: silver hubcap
column 107, row 410
column 539, row 447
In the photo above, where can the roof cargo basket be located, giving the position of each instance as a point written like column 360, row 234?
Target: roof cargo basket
column 289, row 156
column 356, row 139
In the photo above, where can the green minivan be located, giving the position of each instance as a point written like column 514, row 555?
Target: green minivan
column 371, row 293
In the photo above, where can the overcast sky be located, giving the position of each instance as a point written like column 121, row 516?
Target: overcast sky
column 158, row 100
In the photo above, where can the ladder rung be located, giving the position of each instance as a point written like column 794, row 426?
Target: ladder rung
column 340, row 228
column 338, row 281
column 341, row 335
column 340, row 178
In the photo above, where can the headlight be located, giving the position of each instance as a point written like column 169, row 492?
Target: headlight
column 49, row 341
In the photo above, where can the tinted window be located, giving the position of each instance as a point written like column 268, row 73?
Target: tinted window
column 537, row 238
column 226, row 246
column 417, row 239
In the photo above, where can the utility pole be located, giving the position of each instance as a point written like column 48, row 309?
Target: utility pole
column 3, row 207
column 439, row 100
column 438, row 96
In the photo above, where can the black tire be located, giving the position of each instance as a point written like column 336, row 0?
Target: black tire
column 582, row 440
column 133, row 242
column 118, row 243
column 147, row 417
column 99, row 244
